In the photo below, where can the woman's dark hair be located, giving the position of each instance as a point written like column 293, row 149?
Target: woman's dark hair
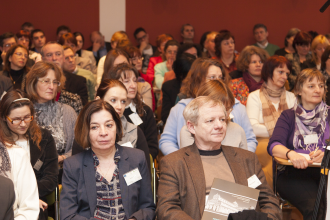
column 271, row 64
column 302, row 38
column 292, row 32
column 8, row 104
column 186, row 46
column 132, row 51
column 120, row 72
column 25, row 34
column 111, row 57
column 82, row 128
column 218, row 39
column 171, row 43
column 203, row 39
column 197, row 76
column 325, row 57
column 182, row 65
column 108, row 84
column 76, row 34
column 68, row 37
column 10, row 53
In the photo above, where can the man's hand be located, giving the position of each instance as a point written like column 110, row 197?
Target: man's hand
column 96, row 46
column 298, row 161
column 3, row 56
column 43, row 205
column 143, row 45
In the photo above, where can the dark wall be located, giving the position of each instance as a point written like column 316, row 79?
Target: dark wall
column 79, row 15
column 238, row 16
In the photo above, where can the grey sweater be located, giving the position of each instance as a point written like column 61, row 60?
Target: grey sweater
column 60, row 120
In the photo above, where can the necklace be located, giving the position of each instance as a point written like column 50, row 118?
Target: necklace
column 13, row 79
column 102, row 172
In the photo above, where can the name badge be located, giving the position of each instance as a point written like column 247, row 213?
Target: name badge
column 127, row 144
column 132, row 176
column 253, row 182
column 37, row 165
column 311, row 139
column 135, row 119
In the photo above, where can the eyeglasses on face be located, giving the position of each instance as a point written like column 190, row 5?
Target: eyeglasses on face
column 19, row 121
column 20, row 54
column 48, row 82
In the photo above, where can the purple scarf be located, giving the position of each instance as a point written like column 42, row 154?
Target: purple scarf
column 251, row 83
column 313, row 122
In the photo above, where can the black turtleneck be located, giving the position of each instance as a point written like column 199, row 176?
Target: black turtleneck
column 17, row 77
column 210, row 152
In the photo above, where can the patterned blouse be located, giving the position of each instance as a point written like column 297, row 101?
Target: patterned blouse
column 109, row 203
column 240, row 90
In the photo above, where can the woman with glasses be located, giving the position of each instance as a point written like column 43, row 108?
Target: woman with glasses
column 22, row 130
column 15, row 66
column 24, row 39
column 43, row 82
column 201, row 71
column 247, row 77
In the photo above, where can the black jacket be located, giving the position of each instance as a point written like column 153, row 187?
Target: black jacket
column 76, row 85
column 170, row 90
column 5, row 84
column 148, row 127
column 46, row 175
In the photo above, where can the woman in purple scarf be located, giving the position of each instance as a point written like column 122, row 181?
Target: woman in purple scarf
column 302, row 130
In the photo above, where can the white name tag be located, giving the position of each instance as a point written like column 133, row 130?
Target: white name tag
column 127, row 144
column 311, row 139
column 135, row 119
column 253, row 182
column 132, row 176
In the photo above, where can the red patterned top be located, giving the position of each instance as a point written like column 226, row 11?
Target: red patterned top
column 240, row 90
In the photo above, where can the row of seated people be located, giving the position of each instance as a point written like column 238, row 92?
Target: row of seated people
column 53, row 82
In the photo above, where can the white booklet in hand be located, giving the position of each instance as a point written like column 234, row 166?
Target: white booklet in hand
column 227, row 197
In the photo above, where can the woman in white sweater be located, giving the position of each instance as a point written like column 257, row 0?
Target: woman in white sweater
column 266, row 104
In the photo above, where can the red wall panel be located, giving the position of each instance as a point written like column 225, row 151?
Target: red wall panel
column 238, row 16
column 79, row 15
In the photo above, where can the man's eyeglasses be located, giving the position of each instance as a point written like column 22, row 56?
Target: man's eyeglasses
column 19, row 121
column 48, row 82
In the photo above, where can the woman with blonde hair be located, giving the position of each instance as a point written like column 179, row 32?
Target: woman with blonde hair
column 202, row 71
column 318, row 46
column 248, row 77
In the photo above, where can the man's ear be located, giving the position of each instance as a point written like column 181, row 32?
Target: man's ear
column 191, row 127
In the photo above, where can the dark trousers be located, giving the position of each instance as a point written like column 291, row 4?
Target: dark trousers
column 299, row 187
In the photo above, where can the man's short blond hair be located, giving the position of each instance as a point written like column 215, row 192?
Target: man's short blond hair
column 191, row 112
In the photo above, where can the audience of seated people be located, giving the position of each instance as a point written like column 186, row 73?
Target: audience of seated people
column 202, row 70
column 48, row 108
